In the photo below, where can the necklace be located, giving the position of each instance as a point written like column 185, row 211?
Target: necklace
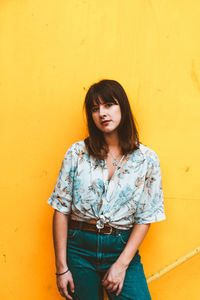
column 115, row 159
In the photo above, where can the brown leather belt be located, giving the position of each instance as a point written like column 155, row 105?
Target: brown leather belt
column 107, row 229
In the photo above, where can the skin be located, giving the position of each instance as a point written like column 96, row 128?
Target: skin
column 114, row 277
column 60, row 229
column 107, row 111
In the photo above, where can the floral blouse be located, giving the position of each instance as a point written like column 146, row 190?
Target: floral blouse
column 133, row 195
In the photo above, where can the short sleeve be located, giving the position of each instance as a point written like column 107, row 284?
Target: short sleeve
column 61, row 197
column 150, row 207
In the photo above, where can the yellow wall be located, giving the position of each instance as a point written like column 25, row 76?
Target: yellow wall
column 50, row 53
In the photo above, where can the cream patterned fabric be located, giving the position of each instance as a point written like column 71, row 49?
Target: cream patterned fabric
column 134, row 194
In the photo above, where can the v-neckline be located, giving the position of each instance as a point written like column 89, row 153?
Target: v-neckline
column 116, row 167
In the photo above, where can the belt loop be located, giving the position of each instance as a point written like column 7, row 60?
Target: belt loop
column 117, row 232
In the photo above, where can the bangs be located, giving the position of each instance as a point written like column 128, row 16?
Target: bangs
column 103, row 97
column 104, row 92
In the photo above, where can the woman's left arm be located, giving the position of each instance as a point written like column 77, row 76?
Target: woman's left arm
column 114, row 278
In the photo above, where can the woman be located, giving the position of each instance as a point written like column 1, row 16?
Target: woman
column 108, row 191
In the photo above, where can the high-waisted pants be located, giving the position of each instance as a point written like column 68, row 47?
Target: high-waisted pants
column 89, row 256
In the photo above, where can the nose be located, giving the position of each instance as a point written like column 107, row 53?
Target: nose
column 102, row 110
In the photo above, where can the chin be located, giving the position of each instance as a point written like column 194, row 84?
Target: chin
column 109, row 131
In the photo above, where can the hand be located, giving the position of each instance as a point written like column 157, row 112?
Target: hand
column 62, row 282
column 114, row 278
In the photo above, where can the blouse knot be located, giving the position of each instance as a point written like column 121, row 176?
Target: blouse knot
column 103, row 219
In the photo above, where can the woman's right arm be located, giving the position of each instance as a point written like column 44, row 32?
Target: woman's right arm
column 60, row 229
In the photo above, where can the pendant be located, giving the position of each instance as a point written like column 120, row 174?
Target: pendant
column 115, row 162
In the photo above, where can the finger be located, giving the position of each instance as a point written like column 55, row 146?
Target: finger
column 109, row 286
column 105, row 277
column 105, row 282
column 66, row 294
column 119, row 289
column 71, row 285
column 61, row 293
column 114, row 288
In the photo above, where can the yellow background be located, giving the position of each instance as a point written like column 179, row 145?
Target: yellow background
column 50, row 53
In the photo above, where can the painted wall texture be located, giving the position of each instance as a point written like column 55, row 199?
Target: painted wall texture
column 50, row 53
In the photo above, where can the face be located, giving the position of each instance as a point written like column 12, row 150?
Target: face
column 106, row 116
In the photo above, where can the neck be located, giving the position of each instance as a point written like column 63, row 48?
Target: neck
column 112, row 140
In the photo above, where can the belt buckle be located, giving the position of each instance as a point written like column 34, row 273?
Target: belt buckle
column 109, row 231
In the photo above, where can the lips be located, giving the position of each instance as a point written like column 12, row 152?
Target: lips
column 105, row 122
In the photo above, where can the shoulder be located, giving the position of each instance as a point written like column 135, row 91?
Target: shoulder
column 76, row 148
column 149, row 154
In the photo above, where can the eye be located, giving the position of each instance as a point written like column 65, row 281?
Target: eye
column 109, row 104
column 94, row 109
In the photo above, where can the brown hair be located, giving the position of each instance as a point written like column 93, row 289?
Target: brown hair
column 108, row 91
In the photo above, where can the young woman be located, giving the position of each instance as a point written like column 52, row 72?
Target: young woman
column 108, row 191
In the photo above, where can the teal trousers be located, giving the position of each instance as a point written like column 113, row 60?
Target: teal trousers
column 89, row 256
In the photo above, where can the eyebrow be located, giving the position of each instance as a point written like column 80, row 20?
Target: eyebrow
column 94, row 105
